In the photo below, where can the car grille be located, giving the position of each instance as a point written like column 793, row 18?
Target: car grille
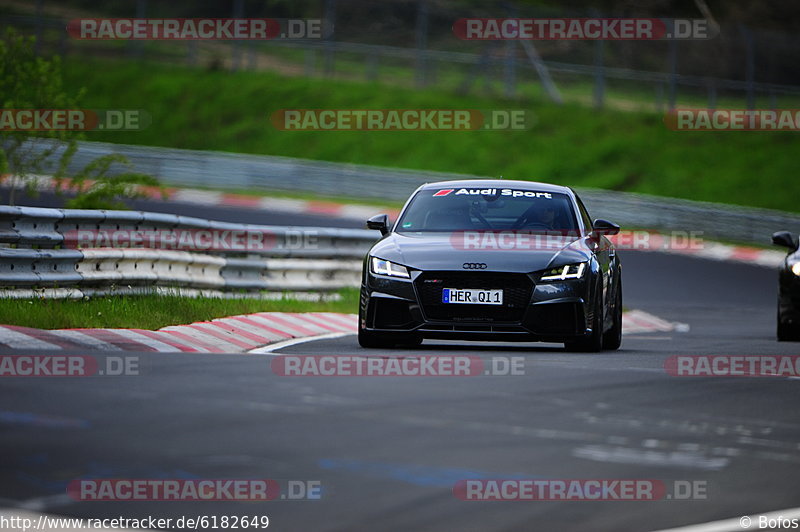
column 516, row 289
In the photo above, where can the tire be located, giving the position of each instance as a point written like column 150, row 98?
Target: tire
column 613, row 338
column 594, row 342
column 786, row 333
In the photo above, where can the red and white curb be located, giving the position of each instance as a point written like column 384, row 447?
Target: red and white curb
column 255, row 333
column 288, row 205
column 235, row 334
column 639, row 321
column 244, row 201
column 743, row 254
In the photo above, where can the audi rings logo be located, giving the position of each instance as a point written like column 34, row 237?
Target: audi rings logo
column 474, row 266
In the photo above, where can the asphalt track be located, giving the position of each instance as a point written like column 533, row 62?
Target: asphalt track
column 388, row 451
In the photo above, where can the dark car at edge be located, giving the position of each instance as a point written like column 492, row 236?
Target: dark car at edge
column 788, row 289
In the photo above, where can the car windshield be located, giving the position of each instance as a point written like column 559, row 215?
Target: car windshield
column 492, row 209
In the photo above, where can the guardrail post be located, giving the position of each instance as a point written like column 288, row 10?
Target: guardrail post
column 712, row 94
column 750, row 66
column 673, row 73
column 330, row 16
column 251, row 55
column 136, row 48
column 236, row 51
column 37, row 46
column 371, row 68
column 599, row 75
column 422, row 42
column 660, row 96
column 310, row 64
column 191, row 53
column 511, row 68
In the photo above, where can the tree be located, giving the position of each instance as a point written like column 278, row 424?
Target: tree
column 31, row 82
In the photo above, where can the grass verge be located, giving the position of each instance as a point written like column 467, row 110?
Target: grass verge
column 569, row 144
column 152, row 311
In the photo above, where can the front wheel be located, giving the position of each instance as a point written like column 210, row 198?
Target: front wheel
column 594, row 342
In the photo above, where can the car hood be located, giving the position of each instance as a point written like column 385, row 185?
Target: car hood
column 446, row 251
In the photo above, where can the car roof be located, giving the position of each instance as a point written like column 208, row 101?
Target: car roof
column 498, row 183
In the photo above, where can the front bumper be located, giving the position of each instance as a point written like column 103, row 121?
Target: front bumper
column 549, row 312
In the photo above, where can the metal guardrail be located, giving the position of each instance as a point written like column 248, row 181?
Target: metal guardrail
column 50, row 228
column 239, row 171
column 708, row 220
column 41, row 256
column 39, row 251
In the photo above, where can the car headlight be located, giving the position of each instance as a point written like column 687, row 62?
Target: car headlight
column 570, row 271
column 384, row 267
column 796, row 268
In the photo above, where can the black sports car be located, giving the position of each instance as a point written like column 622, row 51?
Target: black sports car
column 788, row 289
column 492, row 260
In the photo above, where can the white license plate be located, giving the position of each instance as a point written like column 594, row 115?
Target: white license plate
column 472, row 296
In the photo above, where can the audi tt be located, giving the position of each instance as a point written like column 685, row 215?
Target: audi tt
column 492, row 260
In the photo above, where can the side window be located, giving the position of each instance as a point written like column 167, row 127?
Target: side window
column 587, row 220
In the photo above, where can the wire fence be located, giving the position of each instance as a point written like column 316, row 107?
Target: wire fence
column 413, row 43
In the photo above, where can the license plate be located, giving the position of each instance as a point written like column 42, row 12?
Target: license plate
column 472, row 296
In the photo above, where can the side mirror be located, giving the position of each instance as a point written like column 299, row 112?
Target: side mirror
column 785, row 239
column 379, row 222
column 604, row 227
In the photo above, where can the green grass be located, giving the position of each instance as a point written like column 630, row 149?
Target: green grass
column 569, row 144
column 152, row 311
